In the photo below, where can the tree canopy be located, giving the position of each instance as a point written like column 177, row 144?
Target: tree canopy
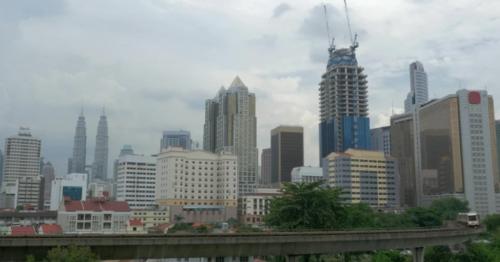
column 68, row 254
column 316, row 206
column 306, row 206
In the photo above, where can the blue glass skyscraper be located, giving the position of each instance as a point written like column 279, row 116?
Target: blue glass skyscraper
column 344, row 121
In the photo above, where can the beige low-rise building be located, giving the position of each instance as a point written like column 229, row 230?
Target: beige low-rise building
column 151, row 218
column 197, row 186
column 369, row 177
column 253, row 207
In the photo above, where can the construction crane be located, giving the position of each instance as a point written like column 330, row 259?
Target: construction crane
column 354, row 40
column 331, row 41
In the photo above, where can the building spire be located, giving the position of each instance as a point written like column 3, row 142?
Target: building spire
column 237, row 82
column 103, row 111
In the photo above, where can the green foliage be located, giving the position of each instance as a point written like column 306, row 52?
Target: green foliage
column 306, row 206
column 438, row 254
column 448, row 208
column 478, row 252
column 178, row 219
column 389, row 256
column 424, row 217
column 71, row 254
column 358, row 216
column 203, row 229
column 233, row 222
column 180, row 227
column 492, row 222
column 313, row 206
column 30, row 258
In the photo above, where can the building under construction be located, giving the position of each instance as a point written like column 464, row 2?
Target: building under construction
column 344, row 121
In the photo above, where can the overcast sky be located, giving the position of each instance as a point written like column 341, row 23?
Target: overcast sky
column 152, row 63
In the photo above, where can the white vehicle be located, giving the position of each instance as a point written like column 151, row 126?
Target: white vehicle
column 470, row 219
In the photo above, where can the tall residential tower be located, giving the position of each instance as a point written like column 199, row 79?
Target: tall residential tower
column 230, row 125
column 22, row 169
column 343, row 104
column 100, row 166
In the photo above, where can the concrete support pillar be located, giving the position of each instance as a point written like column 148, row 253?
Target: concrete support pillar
column 418, row 254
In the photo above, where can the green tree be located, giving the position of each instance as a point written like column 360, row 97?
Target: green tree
column 306, row 206
column 478, row 252
column 448, row 208
column 389, row 256
column 492, row 222
column 71, row 254
column 358, row 216
column 178, row 218
column 439, row 254
column 424, row 217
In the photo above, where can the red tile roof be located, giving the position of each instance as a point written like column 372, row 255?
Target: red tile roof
column 50, row 229
column 135, row 222
column 96, row 205
column 23, row 231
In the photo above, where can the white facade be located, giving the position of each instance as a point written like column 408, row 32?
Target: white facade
column 136, row 181
column 22, row 161
column 307, row 174
column 419, row 93
column 253, row 207
column 99, row 188
column 477, row 150
column 197, row 180
column 70, row 185
column 93, row 217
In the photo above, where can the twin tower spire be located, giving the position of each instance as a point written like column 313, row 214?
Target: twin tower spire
column 78, row 162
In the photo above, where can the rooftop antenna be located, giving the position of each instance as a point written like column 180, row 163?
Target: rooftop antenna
column 331, row 41
column 354, row 40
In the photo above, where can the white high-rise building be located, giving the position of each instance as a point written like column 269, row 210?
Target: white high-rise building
column 199, row 186
column 231, row 125
column 72, row 187
column 22, row 167
column 419, row 93
column 136, row 181
column 307, row 174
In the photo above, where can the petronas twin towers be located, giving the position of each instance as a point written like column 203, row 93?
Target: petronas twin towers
column 78, row 162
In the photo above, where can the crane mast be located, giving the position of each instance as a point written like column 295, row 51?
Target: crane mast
column 354, row 40
column 331, row 41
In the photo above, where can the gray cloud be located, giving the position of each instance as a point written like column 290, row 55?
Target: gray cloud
column 153, row 63
column 281, row 9
column 27, row 9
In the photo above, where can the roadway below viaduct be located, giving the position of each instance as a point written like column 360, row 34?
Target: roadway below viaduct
column 289, row 244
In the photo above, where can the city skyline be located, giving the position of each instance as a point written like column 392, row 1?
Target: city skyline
column 143, row 91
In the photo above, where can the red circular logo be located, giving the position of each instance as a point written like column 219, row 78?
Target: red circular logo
column 474, row 98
